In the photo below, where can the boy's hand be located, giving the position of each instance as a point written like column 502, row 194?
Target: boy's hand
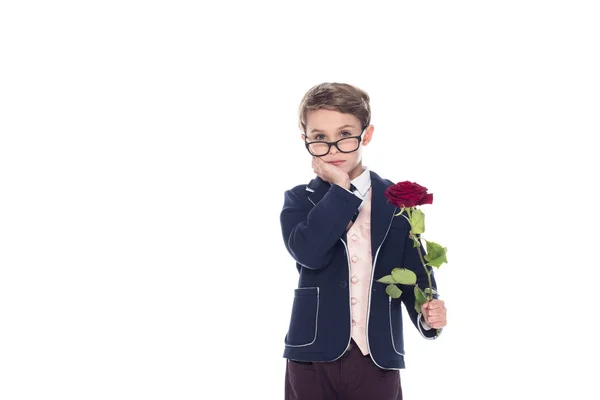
column 330, row 173
column 434, row 312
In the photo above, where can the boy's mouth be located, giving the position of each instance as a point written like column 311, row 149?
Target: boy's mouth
column 335, row 162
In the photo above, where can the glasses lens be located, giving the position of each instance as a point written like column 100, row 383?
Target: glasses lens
column 318, row 149
column 348, row 144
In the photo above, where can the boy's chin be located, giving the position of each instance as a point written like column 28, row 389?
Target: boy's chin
column 350, row 166
column 346, row 168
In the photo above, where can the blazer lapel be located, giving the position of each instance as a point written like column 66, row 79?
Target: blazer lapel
column 382, row 212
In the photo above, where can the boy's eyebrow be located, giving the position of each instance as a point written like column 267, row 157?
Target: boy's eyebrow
column 339, row 129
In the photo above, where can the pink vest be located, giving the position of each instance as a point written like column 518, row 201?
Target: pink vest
column 359, row 251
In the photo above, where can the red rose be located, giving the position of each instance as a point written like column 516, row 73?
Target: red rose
column 408, row 194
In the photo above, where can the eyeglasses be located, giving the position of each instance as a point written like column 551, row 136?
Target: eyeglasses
column 321, row 148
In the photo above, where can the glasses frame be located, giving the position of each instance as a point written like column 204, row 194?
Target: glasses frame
column 329, row 144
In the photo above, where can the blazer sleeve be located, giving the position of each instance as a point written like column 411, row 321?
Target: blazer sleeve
column 412, row 261
column 309, row 231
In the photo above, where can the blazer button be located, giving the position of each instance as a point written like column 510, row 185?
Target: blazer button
column 343, row 283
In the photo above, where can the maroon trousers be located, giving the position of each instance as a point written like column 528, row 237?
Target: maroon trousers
column 351, row 377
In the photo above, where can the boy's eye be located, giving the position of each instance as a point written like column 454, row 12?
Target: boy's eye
column 321, row 137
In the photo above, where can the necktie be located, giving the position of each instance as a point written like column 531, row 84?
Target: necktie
column 353, row 189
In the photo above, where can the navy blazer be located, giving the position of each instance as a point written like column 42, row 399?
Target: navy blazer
column 313, row 223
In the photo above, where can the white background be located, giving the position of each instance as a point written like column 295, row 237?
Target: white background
column 145, row 148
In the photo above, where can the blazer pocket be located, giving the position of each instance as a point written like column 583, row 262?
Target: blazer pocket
column 305, row 314
column 395, row 317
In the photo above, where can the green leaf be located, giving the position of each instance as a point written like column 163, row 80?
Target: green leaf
column 428, row 290
column 386, row 279
column 420, row 295
column 393, row 291
column 416, row 242
column 420, row 298
column 418, row 307
column 436, row 254
column 404, row 276
column 417, row 222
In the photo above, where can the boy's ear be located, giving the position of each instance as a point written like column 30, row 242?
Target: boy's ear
column 368, row 135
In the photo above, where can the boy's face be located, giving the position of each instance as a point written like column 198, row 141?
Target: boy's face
column 331, row 126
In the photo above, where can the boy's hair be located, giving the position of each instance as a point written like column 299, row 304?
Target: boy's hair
column 342, row 97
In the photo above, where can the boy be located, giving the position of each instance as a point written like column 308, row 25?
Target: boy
column 345, row 335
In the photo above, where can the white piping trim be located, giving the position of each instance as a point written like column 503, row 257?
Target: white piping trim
column 349, row 295
column 310, row 190
column 349, row 301
column 391, row 330
column 371, row 288
column 316, row 321
column 421, row 331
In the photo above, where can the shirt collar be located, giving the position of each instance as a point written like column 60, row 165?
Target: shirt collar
column 362, row 182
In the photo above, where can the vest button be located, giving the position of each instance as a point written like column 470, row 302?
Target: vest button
column 343, row 284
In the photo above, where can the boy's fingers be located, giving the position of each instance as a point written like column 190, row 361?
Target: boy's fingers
column 435, row 304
